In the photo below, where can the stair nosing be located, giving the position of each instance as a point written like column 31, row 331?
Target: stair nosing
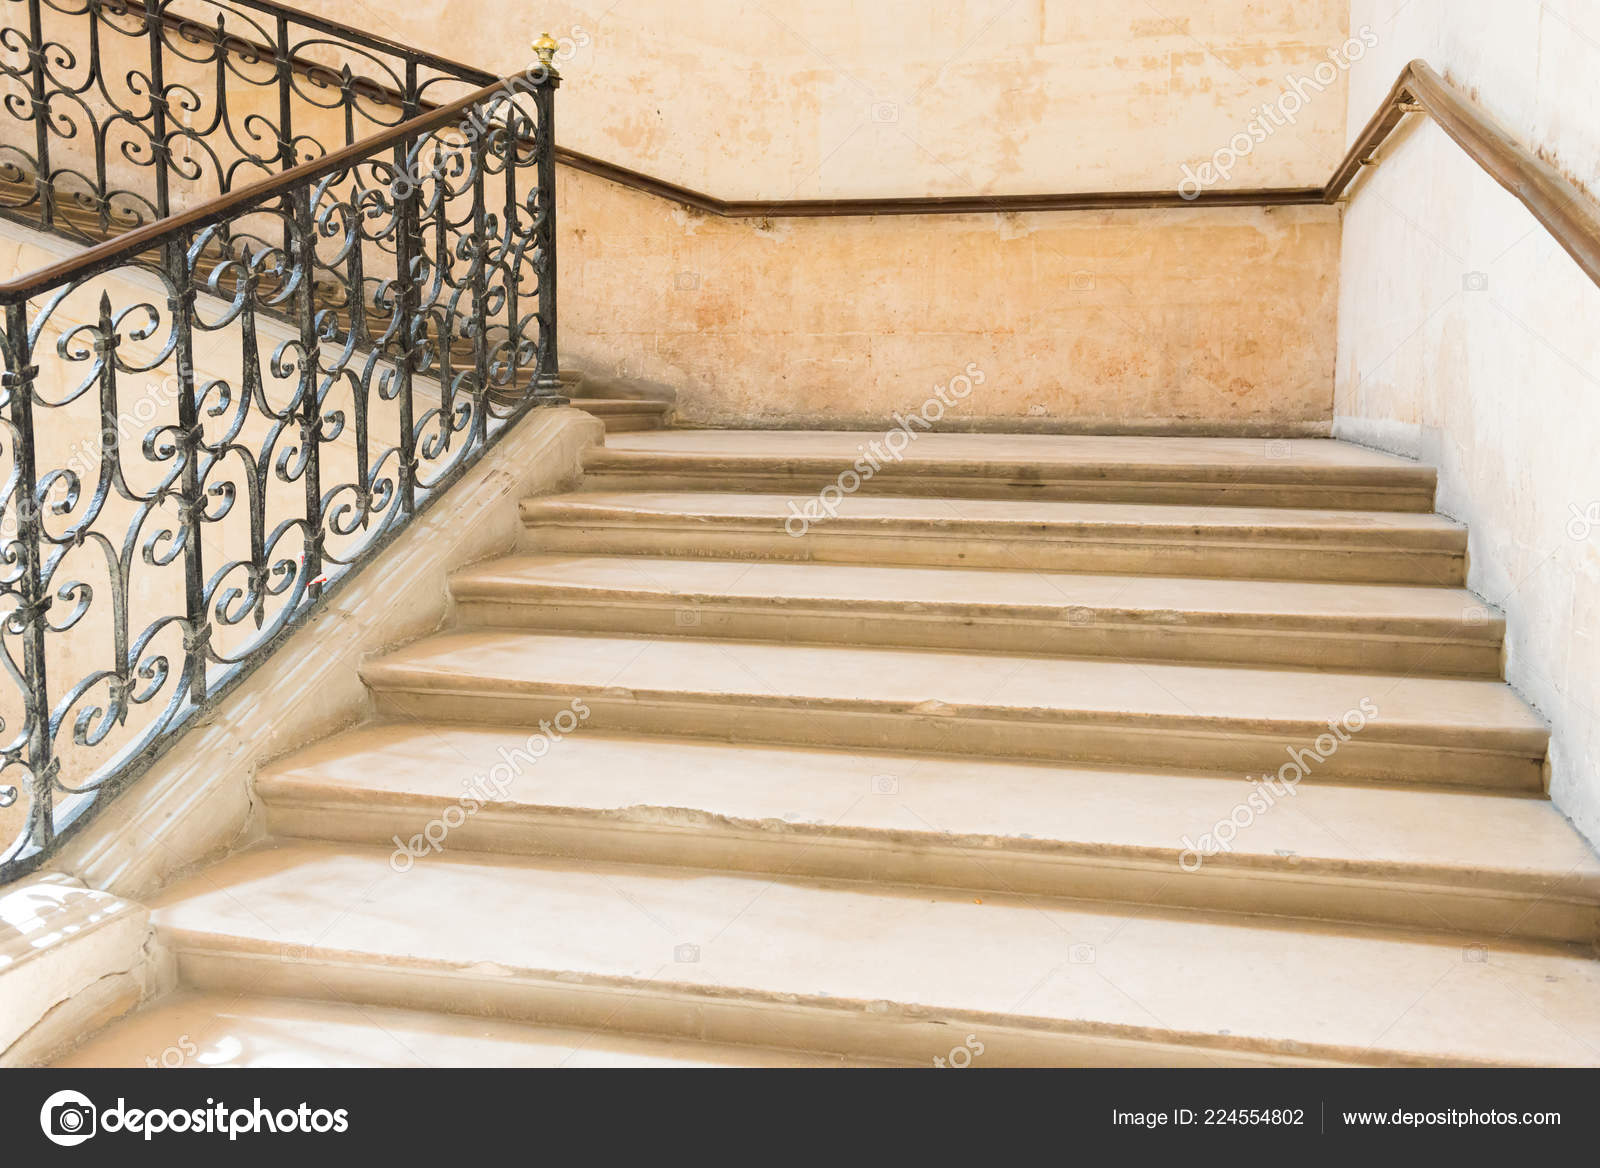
column 215, row 951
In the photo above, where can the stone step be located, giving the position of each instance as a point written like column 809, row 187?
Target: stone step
column 889, row 973
column 1389, row 628
column 1038, row 535
column 626, row 415
column 1484, row 865
column 191, row 1029
column 1412, row 730
column 1230, row 471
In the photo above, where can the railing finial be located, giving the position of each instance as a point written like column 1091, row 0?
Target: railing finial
column 545, row 49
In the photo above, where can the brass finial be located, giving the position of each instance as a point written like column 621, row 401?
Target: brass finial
column 545, row 49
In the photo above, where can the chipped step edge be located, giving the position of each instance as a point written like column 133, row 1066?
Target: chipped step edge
column 72, row 959
column 1527, row 907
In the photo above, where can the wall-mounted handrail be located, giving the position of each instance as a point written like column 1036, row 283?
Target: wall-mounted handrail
column 1564, row 208
column 929, row 204
column 1557, row 202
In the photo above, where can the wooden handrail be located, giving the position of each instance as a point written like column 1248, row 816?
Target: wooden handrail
column 1560, row 204
column 1563, row 207
column 926, row 205
column 1554, row 200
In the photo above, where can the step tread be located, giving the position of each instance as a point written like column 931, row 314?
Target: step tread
column 232, row 1030
column 1467, row 838
column 903, row 679
column 970, row 514
column 1172, row 600
column 1222, row 984
column 1053, row 452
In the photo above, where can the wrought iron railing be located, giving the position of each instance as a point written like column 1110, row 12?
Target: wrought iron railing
column 322, row 282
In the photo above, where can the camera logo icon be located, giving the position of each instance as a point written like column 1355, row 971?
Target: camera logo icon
column 68, row 1118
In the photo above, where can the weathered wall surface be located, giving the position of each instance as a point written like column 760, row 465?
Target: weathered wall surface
column 898, row 97
column 1153, row 320
column 1133, row 320
column 1467, row 338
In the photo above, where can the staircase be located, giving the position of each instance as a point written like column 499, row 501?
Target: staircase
column 940, row 778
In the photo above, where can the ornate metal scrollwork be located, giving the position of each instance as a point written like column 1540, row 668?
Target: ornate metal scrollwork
column 347, row 293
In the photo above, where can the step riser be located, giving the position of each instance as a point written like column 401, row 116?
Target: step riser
column 897, row 1033
column 799, row 850
column 1407, row 756
column 1382, row 563
column 604, row 474
column 627, row 423
column 1399, row 648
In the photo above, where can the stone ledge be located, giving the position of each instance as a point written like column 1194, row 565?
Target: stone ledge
column 71, row 959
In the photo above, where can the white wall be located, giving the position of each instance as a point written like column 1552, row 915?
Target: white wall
column 1469, row 339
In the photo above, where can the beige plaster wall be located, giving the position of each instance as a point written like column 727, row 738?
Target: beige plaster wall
column 1467, row 338
column 834, row 98
column 1212, row 320
column 1215, row 321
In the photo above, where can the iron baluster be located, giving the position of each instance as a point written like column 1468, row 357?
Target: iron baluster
column 407, row 248
column 28, row 619
column 191, row 442
column 547, row 386
column 308, row 399
column 158, row 113
column 41, row 117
